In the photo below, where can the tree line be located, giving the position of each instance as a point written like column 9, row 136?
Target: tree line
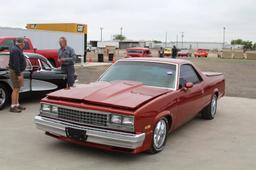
column 247, row 45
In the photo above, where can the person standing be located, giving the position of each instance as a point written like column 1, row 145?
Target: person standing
column 17, row 64
column 161, row 52
column 174, row 52
column 67, row 58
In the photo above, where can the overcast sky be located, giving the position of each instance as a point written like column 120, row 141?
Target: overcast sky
column 200, row 20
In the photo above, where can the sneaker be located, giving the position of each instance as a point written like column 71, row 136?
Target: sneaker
column 21, row 107
column 15, row 110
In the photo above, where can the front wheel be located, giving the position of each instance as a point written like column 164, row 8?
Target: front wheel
column 210, row 111
column 159, row 136
column 4, row 95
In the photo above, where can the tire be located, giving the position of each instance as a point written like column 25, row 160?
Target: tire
column 159, row 137
column 5, row 95
column 209, row 111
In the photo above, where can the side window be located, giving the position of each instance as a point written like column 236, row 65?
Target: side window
column 45, row 65
column 34, row 62
column 8, row 43
column 188, row 74
column 29, row 65
column 26, row 45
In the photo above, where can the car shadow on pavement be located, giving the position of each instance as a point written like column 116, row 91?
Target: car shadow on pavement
column 118, row 157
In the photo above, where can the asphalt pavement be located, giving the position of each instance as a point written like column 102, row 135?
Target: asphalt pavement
column 227, row 142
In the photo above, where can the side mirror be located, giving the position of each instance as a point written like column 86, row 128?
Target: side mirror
column 189, row 85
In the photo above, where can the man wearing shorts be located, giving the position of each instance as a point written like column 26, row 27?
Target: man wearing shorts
column 17, row 64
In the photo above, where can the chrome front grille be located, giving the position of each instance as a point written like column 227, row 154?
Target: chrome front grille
column 83, row 117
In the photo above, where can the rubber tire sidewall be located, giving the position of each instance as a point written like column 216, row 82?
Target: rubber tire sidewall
column 207, row 112
column 153, row 149
column 7, row 93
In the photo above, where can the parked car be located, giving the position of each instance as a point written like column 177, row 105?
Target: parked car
column 133, row 105
column 51, row 55
column 167, row 52
column 138, row 52
column 39, row 76
column 184, row 53
column 201, row 53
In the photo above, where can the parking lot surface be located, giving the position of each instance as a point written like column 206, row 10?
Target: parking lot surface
column 227, row 142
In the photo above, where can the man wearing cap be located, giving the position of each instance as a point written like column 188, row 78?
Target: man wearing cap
column 17, row 64
column 67, row 58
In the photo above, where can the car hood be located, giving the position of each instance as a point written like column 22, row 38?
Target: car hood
column 124, row 94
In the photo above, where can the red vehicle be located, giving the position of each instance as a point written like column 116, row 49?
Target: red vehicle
column 201, row 53
column 51, row 55
column 133, row 106
column 138, row 52
column 184, row 53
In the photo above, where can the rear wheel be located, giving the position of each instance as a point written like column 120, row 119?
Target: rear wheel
column 210, row 111
column 5, row 94
column 159, row 136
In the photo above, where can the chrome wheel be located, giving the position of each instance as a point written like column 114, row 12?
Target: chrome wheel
column 2, row 97
column 214, row 105
column 160, row 134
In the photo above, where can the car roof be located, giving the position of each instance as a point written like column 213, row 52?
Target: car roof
column 30, row 55
column 137, row 48
column 158, row 60
column 9, row 37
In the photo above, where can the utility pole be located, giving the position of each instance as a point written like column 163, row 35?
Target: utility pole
column 224, row 36
column 166, row 39
column 182, row 36
column 101, row 30
column 121, row 31
column 177, row 40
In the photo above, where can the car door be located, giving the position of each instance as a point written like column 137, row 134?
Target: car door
column 47, row 78
column 189, row 101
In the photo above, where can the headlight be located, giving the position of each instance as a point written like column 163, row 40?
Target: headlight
column 129, row 121
column 46, row 107
column 49, row 110
column 121, row 122
column 116, row 119
column 54, row 109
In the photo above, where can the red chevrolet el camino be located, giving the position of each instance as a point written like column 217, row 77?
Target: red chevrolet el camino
column 133, row 105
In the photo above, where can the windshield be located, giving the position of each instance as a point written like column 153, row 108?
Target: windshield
column 135, row 51
column 149, row 73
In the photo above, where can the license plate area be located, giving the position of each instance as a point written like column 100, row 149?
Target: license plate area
column 76, row 134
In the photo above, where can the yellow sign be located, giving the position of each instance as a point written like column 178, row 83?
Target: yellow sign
column 65, row 27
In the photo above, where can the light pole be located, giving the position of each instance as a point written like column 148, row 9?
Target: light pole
column 101, row 30
column 224, row 36
column 182, row 36
column 121, row 31
column 177, row 40
column 166, row 38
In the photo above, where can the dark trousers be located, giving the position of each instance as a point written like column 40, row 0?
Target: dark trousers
column 70, row 71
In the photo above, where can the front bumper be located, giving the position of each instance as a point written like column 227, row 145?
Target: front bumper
column 94, row 135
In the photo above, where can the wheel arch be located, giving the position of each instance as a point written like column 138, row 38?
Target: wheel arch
column 216, row 92
column 6, row 84
column 168, row 116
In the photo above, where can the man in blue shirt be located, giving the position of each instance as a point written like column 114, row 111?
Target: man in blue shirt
column 67, row 59
column 17, row 64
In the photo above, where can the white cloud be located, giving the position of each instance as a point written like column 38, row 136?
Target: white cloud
column 200, row 20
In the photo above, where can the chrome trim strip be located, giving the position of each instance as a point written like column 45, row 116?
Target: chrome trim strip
column 98, row 136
